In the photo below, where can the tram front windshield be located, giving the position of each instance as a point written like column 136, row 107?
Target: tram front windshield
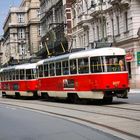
column 108, row 64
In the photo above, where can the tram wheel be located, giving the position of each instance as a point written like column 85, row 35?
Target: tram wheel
column 73, row 98
column 17, row 95
column 3, row 94
column 107, row 100
column 45, row 96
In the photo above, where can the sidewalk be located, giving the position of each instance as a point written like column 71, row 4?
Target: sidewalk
column 134, row 91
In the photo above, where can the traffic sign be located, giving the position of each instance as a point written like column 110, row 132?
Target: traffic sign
column 138, row 58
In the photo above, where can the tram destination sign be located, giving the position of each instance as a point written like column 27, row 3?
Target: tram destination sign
column 102, row 44
column 138, row 58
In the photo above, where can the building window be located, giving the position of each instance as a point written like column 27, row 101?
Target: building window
column 126, row 21
column 118, row 25
column 39, row 30
column 20, row 18
column 98, row 33
column 21, row 33
column 40, row 45
column 22, row 51
column 112, row 22
column 105, row 29
column 38, row 13
column 93, row 33
column 87, row 38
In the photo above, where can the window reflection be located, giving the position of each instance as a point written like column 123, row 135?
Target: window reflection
column 107, row 64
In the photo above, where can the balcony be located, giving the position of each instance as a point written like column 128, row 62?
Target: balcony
column 96, row 10
column 16, row 24
column 18, row 9
column 120, row 2
column 125, row 2
column 113, row 2
column 85, row 18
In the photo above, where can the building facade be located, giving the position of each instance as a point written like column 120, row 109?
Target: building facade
column 69, row 24
column 22, row 31
column 98, row 23
column 53, row 24
column 1, row 50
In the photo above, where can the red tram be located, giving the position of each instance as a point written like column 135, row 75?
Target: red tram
column 89, row 74
column 19, row 80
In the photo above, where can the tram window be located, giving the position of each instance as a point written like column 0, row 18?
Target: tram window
column 10, row 75
column 83, row 65
column 52, row 69
column 17, row 74
column 73, row 67
column 40, row 70
column 95, row 63
column 22, row 74
column 46, row 70
column 65, row 68
column 28, row 74
column 58, row 68
column 114, row 63
column 2, row 76
column 37, row 72
column 13, row 75
column 6, row 75
column 34, row 73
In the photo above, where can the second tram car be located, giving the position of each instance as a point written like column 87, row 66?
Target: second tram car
column 89, row 74
column 19, row 80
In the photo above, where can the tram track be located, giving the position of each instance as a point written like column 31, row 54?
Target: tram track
column 102, row 105
column 48, row 108
column 86, row 111
column 124, row 108
column 77, row 118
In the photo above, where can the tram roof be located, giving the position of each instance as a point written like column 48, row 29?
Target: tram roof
column 86, row 53
column 22, row 66
column 26, row 66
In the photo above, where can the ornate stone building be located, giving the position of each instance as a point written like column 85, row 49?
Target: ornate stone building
column 1, row 50
column 97, row 23
column 22, row 31
column 55, row 25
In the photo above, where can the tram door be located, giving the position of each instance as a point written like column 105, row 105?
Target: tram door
column 129, row 69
